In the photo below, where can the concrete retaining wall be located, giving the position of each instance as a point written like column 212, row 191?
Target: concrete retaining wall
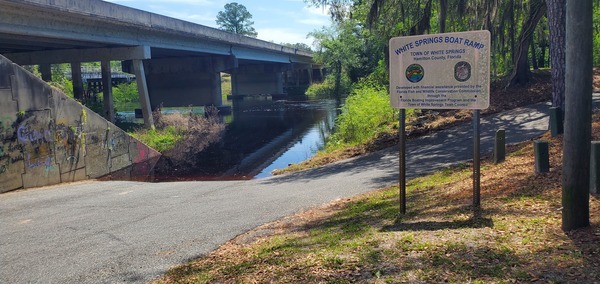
column 48, row 138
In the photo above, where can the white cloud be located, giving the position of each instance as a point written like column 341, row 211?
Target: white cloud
column 314, row 22
column 314, row 16
column 317, row 11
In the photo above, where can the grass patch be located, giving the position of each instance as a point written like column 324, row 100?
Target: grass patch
column 367, row 111
column 179, row 136
column 515, row 237
column 161, row 140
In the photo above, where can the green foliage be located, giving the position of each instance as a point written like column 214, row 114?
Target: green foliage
column 348, row 50
column 225, row 86
column 596, row 23
column 379, row 76
column 236, row 19
column 95, row 104
column 64, row 85
column 367, row 111
column 126, row 96
column 60, row 81
column 391, row 18
column 326, row 89
column 160, row 139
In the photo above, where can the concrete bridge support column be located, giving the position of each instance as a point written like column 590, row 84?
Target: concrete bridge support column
column 46, row 70
column 234, row 82
column 109, row 108
column 297, row 74
column 142, row 86
column 217, row 92
column 77, row 81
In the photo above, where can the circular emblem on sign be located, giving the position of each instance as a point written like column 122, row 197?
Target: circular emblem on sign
column 415, row 73
column 462, row 71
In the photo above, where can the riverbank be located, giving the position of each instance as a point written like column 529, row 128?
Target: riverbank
column 428, row 121
column 515, row 237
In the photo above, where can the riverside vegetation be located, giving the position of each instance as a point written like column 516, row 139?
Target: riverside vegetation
column 368, row 123
column 179, row 136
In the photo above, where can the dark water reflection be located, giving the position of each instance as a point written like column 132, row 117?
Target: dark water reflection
column 263, row 135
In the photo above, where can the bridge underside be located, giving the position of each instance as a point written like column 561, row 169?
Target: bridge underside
column 176, row 63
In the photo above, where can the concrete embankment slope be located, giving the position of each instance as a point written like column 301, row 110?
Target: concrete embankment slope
column 48, row 138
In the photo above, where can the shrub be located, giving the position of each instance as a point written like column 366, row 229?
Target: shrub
column 159, row 139
column 326, row 90
column 126, row 96
column 64, row 85
column 366, row 112
column 179, row 137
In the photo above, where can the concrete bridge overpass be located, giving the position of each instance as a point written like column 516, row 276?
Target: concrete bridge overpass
column 176, row 63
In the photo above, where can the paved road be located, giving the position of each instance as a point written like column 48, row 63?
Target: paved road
column 132, row 232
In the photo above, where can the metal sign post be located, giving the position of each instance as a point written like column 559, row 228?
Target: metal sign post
column 440, row 71
column 402, row 158
column 476, row 160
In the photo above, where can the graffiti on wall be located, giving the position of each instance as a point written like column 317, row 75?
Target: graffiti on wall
column 118, row 142
column 50, row 139
column 36, row 136
column 69, row 143
column 11, row 151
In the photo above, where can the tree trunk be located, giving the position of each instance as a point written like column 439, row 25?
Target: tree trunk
column 534, row 62
column 578, row 116
column 542, row 58
column 521, row 74
column 338, row 79
column 423, row 25
column 556, row 26
column 442, row 15
column 511, row 29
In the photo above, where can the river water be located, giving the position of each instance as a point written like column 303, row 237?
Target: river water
column 263, row 135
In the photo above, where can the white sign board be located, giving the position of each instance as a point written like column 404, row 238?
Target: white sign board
column 441, row 71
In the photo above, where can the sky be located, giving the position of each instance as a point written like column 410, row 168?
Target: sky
column 278, row 21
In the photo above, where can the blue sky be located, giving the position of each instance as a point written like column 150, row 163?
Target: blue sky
column 279, row 21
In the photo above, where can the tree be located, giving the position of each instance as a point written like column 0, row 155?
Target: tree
column 578, row 116
column 557, row 28
column 512, row 24
column 334, row 49
column 521, row 74
column 236, row 19
column 348, row 50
